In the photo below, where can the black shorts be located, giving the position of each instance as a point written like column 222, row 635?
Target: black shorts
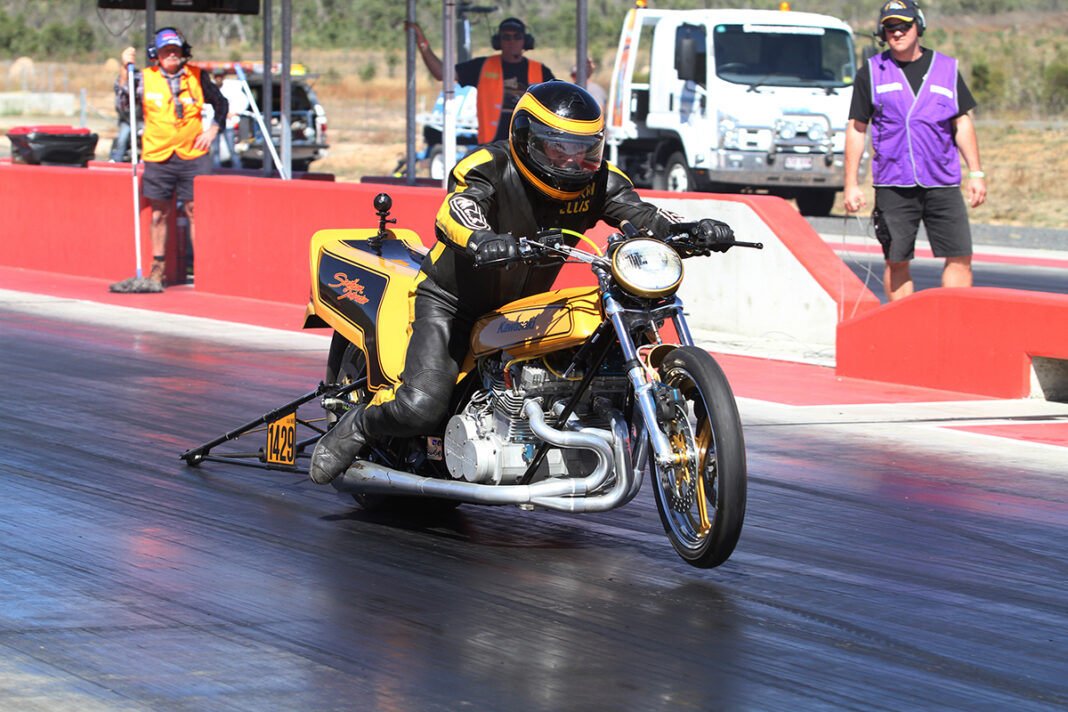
column 161, row 180
column 897, row 216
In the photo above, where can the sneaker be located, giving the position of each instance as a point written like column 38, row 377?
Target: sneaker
column 136, row 285
column 125, row 286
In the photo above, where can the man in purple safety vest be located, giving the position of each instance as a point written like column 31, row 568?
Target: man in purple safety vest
column 917, row 104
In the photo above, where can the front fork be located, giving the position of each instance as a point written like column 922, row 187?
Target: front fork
column 644, row 387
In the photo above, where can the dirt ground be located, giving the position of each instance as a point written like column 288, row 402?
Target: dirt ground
column 1026, row 161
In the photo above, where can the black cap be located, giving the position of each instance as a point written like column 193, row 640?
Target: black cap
column 904, row 10
column 512, row 23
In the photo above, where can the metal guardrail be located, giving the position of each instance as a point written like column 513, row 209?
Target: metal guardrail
column 25, row 75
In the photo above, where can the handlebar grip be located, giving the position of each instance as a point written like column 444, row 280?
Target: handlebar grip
column 481, row 261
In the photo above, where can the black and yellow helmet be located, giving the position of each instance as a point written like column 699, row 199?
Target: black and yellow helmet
column 557, row 138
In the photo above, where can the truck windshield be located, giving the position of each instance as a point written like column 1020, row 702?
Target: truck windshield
column 780, row 55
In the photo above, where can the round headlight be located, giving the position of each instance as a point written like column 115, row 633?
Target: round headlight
column 787, row 130
column 817, row 131
column 647, row 268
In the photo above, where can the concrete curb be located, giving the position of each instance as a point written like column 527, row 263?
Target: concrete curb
column 1032, row 238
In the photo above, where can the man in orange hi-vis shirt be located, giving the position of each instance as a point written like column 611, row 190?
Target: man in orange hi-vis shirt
column 500, row 79
column 175, row 141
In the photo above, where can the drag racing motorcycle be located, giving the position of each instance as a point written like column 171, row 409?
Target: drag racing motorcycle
column 566, row 400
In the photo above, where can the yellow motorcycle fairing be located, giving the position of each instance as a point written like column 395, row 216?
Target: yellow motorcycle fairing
column 356, row 289
column 537, row 325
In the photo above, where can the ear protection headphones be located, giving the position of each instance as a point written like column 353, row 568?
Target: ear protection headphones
column 921, row 24
column 528, row 39
column 187, row 49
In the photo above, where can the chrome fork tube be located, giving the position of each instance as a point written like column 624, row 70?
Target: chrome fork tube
column 643, row 389
column 683, row 329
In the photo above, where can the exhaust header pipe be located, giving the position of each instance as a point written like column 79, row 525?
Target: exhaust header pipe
column 566, row 494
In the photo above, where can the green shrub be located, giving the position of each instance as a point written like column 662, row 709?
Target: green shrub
column 55, row 40
column 332, row 76
column 17, row 38
column 988, row 85
column 1055, row 86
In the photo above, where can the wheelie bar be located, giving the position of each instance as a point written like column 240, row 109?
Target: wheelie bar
column 194, row 456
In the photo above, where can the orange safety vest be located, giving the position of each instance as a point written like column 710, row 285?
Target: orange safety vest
column 165, row 133
column 491, row 94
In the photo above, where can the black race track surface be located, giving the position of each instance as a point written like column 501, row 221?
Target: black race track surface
column 879, row 569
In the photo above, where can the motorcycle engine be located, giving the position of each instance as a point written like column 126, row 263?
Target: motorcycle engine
column 490, row 441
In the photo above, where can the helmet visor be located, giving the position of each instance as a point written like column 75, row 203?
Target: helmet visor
column 565, row 155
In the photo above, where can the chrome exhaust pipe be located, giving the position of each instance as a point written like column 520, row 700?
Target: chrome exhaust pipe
column 623, row 487
column 568, row 494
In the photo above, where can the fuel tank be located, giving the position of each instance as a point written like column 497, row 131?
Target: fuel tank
column 539, row 324
column 359, row 282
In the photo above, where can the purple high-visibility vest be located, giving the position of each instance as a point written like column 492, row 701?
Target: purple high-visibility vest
column 912, row 134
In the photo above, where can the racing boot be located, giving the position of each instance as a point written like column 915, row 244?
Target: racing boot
column 337, row 449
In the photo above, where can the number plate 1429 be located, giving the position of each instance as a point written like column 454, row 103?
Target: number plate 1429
column 281, row 437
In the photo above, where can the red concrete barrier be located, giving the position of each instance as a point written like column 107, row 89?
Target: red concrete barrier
column 253, row 235
column 797, row 285
column 807, row 247
column 71, row 220
column 977, row 340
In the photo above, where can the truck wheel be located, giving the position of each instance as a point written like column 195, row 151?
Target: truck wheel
column 436, row 163
column 816, row 202
column 676, row 175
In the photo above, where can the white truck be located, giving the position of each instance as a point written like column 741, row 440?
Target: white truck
column 733, row 101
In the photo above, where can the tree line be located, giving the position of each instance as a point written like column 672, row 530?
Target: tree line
column 79, row 30
column 72, row 28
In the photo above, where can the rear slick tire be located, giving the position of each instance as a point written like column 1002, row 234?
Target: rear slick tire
column 347, row 364
column 702, row 500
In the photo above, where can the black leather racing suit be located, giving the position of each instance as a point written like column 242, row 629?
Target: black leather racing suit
column 487, row 198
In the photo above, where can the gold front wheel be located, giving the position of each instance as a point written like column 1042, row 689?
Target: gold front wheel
column 701, row 497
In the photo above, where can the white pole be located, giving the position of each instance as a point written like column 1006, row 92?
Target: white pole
column 448, row 78
column 133, row 164
column 283, row 171
column 409, row 96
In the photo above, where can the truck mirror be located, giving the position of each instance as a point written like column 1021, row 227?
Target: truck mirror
column 689, row 52
column 686, row 59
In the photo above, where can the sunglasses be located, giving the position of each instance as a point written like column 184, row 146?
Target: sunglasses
column 511, row 36
column 897, row 27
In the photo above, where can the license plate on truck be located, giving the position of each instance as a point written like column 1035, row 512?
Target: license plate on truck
column 798, row 163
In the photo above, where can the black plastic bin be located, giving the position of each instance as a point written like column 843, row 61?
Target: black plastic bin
column 52, row 145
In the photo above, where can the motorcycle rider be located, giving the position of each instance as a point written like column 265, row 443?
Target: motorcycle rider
column 549, row 174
